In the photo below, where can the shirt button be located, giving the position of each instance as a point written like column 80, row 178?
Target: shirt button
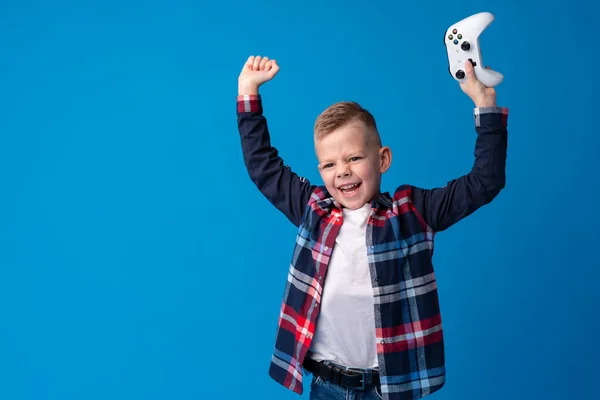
column 326, row 248
column 383, row 342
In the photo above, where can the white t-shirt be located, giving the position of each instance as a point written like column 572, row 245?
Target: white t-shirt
column 345, row 330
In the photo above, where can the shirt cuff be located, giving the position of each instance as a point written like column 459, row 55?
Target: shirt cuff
column 249, row 103
column 486, row 116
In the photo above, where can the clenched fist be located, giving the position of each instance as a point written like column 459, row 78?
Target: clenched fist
column 481, row 95
column 256, row 71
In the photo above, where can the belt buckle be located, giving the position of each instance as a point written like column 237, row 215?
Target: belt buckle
column 363, row 379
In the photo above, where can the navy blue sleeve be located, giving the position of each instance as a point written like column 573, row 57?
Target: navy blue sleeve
column 287, row 191
column 443, row 207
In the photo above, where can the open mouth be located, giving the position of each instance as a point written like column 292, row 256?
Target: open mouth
column 349, row 190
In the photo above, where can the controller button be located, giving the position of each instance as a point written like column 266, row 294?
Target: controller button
column 459, row 36
column 460, row 74
column 455, row 41
column 465, row 46
column 473, row 62
column 450, row 37
column 454, row 31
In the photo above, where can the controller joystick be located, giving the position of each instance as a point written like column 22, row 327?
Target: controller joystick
column 462, row 45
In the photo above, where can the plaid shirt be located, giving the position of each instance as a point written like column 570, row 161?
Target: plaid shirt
column 399, row 238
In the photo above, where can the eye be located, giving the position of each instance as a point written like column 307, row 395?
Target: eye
column 327, row 165
column 355, row 158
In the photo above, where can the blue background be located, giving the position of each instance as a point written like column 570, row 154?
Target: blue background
column 138, row 261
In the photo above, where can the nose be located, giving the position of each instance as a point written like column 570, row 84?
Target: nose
column 343, row 171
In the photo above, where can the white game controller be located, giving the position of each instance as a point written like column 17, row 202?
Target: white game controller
column 462, row 45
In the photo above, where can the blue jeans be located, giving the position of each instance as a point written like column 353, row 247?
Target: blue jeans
column 321, row 389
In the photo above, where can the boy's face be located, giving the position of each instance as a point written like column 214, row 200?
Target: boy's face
column 351, row 163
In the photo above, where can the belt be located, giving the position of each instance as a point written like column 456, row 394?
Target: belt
column 351, row 379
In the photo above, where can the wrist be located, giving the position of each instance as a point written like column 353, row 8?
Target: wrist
column 247, row 88
column 485, row 103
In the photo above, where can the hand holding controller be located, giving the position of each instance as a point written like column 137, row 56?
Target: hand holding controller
column 462, row 45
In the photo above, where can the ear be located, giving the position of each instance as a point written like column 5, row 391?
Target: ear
column 385, row 159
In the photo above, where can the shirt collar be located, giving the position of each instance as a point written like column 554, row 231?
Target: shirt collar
column 382, row 200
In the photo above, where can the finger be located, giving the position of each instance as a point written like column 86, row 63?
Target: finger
column 263, row 63
column 274, row 68
column 250, row 61
column 469, row 71
column 488, row 67
column 256, row 65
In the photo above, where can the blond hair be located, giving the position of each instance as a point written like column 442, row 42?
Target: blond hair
column 344, row 113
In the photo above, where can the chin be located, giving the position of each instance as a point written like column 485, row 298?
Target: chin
column 352, row 204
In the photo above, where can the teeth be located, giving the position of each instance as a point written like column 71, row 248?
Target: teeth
column 347, row 187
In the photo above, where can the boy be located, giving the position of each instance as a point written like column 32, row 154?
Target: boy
column 360, row 309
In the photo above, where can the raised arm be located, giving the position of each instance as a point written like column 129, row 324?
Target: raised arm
column 443, row 207
column 287, row 191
